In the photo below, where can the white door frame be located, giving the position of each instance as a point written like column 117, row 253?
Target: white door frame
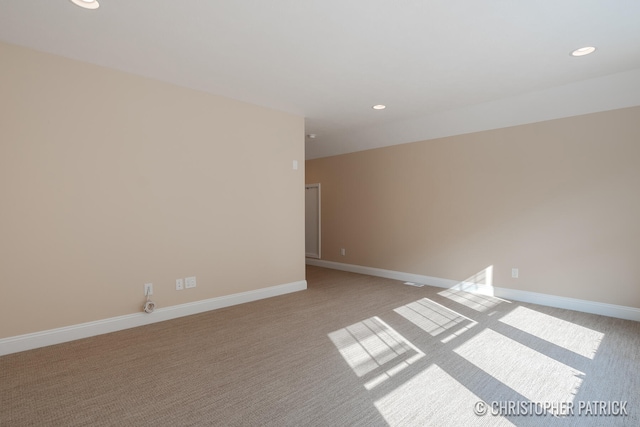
column 307, row 254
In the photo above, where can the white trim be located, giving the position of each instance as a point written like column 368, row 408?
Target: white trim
column 604, row 309
column 89, row 329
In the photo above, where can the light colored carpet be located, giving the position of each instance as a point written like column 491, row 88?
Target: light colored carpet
column 352, row 350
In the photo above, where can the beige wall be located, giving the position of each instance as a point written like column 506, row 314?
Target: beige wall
column 560, row 200
column 109, row 181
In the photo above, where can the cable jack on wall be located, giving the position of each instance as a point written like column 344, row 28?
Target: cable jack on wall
column 149, row 305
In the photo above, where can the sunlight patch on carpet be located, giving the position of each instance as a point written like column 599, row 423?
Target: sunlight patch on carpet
column 433, row 398
column 532, row 374
column 373, row 348
column 478, row 302
column 575, row 338
column 435, row 318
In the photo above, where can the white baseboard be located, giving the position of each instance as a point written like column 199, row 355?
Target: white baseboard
column 89, row 329
column 604, row 309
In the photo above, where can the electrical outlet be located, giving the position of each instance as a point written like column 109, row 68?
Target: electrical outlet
column 343, row 251
column 190, row 282
column 179, row 284
column 148, row 289
column 515, row 273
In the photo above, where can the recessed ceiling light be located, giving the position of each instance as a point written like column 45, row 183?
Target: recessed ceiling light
column 583, row 51
column 87, row 4
column 379, row 107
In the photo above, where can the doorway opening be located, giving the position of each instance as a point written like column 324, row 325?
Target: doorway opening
column 312, row 220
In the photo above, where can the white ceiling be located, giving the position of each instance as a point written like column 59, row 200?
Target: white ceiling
column 442, row 67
